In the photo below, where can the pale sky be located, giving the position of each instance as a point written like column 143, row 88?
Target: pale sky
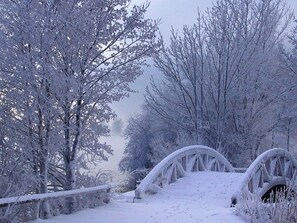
column 173, row 13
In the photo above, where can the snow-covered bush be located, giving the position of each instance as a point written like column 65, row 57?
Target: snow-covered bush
column 132, row 179
column 280, row 207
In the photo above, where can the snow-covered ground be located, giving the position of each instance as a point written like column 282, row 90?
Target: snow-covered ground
column 198, row 197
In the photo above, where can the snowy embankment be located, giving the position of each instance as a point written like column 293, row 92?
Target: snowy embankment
column 198, row 197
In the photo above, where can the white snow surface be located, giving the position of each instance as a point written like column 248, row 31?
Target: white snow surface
column 200, row 197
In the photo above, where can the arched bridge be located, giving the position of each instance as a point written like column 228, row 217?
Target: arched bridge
column 192, row 159
column 272, row 168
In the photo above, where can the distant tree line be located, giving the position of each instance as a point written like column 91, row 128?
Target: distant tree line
column 62, row 63
column 229, row 82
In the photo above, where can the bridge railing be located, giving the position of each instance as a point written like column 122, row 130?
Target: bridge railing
column 174, row 166
column 273, row 167
column 240, row 169
column 26, row 207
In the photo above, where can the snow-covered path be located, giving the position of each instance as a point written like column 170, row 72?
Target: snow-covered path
column 198, row 197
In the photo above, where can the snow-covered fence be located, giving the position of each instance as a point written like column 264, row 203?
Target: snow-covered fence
column 273, row 167
column 192, row 158
column 29, row 210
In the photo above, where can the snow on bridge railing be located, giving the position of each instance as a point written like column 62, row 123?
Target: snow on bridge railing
column 192, row 158
column 273, row 167
column 98, row 195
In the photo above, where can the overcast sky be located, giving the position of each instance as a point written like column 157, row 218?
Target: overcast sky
column 173, row 13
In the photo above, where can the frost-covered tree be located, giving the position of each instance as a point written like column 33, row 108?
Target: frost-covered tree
column 223, row 82
column 180, row 98
column 138, row 150
column 243, row 38
column 62, row 64
column 27, row 93
column 287, row 124
column 148, row 141
column 95, row 57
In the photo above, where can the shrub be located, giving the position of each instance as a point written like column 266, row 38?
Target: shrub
column 281, row 207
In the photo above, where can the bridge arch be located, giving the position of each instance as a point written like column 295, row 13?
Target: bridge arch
column 188, row 159
column 275, row 167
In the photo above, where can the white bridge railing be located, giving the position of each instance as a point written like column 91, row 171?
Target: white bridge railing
column 174, row 166
column 27, row 205
column 273, row 167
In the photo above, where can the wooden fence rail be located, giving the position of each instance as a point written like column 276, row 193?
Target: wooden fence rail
column 24, row 205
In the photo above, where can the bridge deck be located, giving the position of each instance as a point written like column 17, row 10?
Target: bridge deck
column 198, row 197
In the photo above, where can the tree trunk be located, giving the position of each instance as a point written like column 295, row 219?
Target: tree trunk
column 44, row 210
column 288, row 133
column 70, row 168
column 44, row 205
column 70, row 154
column 68, row 161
